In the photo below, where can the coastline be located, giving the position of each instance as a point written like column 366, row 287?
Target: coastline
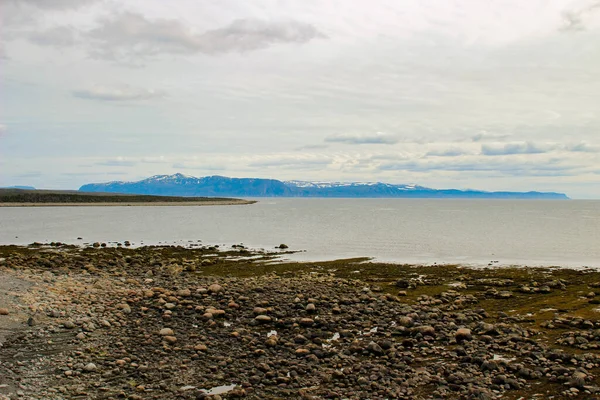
column 136, row 204
column 166, row 321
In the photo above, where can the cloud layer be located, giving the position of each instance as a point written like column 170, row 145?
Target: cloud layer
column 117, row 93
column 376, row 138
column 132, row 34
column 496, row 96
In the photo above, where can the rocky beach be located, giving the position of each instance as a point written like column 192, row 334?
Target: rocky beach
column 191, row 323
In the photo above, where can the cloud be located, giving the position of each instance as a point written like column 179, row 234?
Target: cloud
column 53, row 4
column 130, row 34
column 117, row 162
column 60, row 36
column 117, row 93
column 27, row 175
column 376, row 138
column 486, row 137
column 583, row 148
column 574, row 20
column 451, row 152
column 312, row 147
column 3, row 129
column 515, row 148
column 515, row 166
column 305, row 162
column 204, row 167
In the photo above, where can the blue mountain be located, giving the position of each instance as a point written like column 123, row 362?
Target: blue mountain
column 221, row 186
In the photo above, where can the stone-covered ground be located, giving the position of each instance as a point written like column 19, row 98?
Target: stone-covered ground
column 173, row 323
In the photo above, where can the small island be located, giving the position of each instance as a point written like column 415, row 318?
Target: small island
column 29, row 198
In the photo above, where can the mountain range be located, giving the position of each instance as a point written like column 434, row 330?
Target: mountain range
column 184, row 185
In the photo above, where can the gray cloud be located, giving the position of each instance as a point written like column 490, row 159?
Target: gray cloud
column 517, row 167
column 452, row 152
column 204, row 167
column 312, row 147
column 573, row 20
column 53, row 4
column 116, row 163
column 583, row 148
column 131, row 34
column 377, row 138
column 292, row 162
column 515, row 148
column 486, row 137
column 60, row 36
column 32, row 174
column 117, row 93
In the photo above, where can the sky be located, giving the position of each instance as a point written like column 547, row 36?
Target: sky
column 490, row 95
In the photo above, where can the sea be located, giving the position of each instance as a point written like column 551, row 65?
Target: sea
column 414, row 231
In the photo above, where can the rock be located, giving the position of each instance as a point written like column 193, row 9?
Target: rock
column 184, row 293
column 403, row 283
column 263, row 319
column 505, row 294
column 200, row 347
column 91, row 367
column 283, row 246
column 4, row 311
column 69, row 324
column 170, row 339
column 578, row 379
column 124, row 307
column 311, row 308
column 80, row 336
column 307, row 321
column 375, row 348
column 215, row 288
column 462, row 334
column 259, row 311
column 425, row 330
column 166, row 332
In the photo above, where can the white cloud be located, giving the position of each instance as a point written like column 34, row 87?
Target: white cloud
column 375, row 138
column 117, row 93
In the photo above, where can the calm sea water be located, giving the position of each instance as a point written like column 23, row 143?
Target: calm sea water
column 401, row 230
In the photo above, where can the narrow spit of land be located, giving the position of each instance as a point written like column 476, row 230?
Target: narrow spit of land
column 172, row 322
column 54, row 198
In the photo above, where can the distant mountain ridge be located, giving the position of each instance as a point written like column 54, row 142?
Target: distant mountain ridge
column 221, row 186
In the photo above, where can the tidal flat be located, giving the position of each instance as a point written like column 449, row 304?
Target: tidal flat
column 164, row 322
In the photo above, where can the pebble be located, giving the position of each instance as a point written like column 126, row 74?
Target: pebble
column 91, row 367
column 166, row 332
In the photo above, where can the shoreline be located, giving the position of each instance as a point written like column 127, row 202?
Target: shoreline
column 137, row 204
column 164, row 322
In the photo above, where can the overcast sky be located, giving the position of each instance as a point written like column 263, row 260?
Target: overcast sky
column 493, row 95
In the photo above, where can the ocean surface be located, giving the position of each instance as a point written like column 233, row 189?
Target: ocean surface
column 472, row 232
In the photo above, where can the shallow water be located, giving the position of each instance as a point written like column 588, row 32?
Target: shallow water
column 474, row 232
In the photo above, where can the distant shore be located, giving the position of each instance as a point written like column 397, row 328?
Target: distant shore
column 66, row 198
column 232, row 202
